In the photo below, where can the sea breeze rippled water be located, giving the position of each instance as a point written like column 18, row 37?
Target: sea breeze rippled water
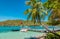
column 19, row 35
column 17, row 28
column 7, row 32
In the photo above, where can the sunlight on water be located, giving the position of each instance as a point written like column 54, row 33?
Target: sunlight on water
column 7, row 33
column 18, row 35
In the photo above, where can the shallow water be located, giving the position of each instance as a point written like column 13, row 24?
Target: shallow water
column 7, row 33
column 19, row 35
column 11, row 28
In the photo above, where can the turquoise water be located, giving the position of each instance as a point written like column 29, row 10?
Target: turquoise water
column 12, row 28
column 7, row 33
column 19, row 35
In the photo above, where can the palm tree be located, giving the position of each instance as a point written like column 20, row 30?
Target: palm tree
column 55, row 16
column 53, row 5
column 36, row 12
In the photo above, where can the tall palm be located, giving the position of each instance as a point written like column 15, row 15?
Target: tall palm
column 36, row 11
column 52, row 5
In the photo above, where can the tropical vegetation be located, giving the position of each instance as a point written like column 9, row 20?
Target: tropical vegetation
column 17, row 23
column 35, row 13
column 51, row 36
column 54, row 7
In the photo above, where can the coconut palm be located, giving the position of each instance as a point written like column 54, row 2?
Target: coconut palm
column 53, row 5
column 37, row 8
column 54, row 16
column 36, row 12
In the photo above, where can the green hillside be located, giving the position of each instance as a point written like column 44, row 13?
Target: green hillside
column 17, row 23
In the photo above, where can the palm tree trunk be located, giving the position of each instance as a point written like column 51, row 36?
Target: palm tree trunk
column 50, row 31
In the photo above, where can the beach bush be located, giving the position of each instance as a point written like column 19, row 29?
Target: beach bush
column 51, row 36
column 53, row 22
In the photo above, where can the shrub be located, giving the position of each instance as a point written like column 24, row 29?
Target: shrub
column 51, row 36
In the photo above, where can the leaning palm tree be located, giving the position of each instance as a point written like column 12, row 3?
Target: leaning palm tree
column 52, row 6
column 36, row 12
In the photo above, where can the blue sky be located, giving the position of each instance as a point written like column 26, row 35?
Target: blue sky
column 13, row 9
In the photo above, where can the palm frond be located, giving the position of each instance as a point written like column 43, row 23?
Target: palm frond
column 28, row 3
column 37, row 10
column 27, row 11
column 29, row 16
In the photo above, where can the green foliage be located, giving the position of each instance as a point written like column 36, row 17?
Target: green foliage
column 53, row 22
column 11, row 23
column 51, row 36
column 17, row 23
column 36, row 10
column 53, row 5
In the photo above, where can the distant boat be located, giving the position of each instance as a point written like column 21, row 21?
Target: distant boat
column 24, row 30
